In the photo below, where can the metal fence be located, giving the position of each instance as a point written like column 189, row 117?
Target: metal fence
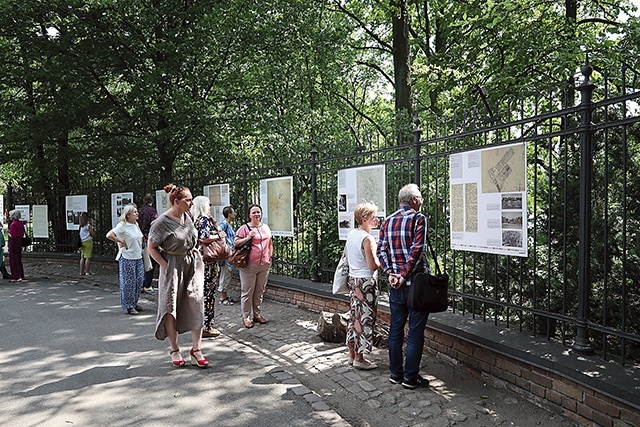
column 579, row 284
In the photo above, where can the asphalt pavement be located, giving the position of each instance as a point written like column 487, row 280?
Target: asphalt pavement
column 70, row 357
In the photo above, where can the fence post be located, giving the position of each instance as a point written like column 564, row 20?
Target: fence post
column 314, row 203
column 245, row 187
column 417, row 134
column 582, row 343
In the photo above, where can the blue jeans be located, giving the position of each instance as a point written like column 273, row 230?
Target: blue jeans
column 415, row 338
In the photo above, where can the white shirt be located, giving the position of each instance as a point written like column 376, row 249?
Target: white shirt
column 84, row 233
column 358, row 267
column 132, row 236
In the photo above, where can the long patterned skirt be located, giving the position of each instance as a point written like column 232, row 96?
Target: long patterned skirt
column 362, row 314
column 211, row 274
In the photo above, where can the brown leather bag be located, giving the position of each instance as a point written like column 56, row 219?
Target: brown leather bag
column 218, row 250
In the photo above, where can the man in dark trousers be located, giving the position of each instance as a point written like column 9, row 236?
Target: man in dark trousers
column 400, row 250
column 146, row 215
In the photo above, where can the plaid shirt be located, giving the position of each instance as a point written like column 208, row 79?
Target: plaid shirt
column 402, row 241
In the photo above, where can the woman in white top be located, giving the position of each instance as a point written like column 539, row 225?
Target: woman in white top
column 363, row 262
column 128, row 236
column 86, row 238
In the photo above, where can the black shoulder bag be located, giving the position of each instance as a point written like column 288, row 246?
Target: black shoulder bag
column 428, row 292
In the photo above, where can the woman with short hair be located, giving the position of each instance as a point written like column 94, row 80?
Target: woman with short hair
column 363, row 262
column 128, row 236
column 16, row 234
column 253, row 277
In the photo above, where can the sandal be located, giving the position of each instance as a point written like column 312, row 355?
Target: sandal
column 248, row 324
column 226, row 301
column 177, row 363
column 259, row 319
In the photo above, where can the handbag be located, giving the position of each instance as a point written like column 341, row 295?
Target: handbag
column 146, row 259
column 215, row 251
column 429, row 292
column 240, row 256
column 341, row 274
column 26, row 239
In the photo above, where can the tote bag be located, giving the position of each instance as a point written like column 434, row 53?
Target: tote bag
column 429, row 292
column 341, row 274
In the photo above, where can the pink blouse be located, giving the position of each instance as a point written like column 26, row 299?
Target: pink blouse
column 16, row 229
column 260, row 245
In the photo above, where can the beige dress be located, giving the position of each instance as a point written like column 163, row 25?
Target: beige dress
column 181, row 287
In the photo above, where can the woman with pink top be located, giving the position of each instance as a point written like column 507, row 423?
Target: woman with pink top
column 16, row 234
column 253, row 278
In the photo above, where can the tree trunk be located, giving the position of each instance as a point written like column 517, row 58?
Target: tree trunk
column 401, row 65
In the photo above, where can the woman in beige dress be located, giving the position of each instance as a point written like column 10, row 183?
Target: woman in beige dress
column 172, row 244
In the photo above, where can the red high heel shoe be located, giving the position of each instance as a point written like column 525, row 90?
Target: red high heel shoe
column 200, row 363
column 177, row 363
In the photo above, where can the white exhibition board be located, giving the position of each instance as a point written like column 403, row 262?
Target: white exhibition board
column 118, row 202
column 488, row 200
column 276, row 198
column 74, row 206
column 218, row 195
column 25, row 212
column 162, row 201
column 359, row 185
column 40, row 222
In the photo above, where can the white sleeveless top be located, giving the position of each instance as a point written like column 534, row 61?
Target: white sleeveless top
column 358, row 267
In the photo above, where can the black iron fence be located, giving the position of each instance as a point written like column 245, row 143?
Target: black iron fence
column 580, row 281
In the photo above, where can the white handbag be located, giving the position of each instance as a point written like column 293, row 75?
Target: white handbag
column 341, row 274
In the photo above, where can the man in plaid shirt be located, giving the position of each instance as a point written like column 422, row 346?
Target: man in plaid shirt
column 400, row 250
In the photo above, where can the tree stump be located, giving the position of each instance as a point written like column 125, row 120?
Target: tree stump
column 332, row 327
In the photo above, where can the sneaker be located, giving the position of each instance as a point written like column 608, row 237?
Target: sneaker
column 415, row 383
column 395, row 379
column 132, row 311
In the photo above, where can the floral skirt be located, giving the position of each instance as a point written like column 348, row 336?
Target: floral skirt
column 363, row 310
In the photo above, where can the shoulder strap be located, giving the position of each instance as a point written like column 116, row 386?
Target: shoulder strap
column 433, row 254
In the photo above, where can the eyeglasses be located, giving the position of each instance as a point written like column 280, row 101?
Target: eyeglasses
column 177, row 189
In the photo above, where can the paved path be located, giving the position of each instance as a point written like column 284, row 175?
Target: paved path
column 292, row 359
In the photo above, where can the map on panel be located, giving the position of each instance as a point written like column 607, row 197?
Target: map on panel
column 504, row 169
column 370, row 186
column 279, row 193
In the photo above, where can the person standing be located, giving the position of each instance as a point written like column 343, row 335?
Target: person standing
column 225, row 266
column 253, row 278
column 363, row 262
column 128, row 236
column 208, row 232
column 181, row 281
column 400, row 251
column 86, row 239
column 3, row 268
column 146, row 215
column 16, row 234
